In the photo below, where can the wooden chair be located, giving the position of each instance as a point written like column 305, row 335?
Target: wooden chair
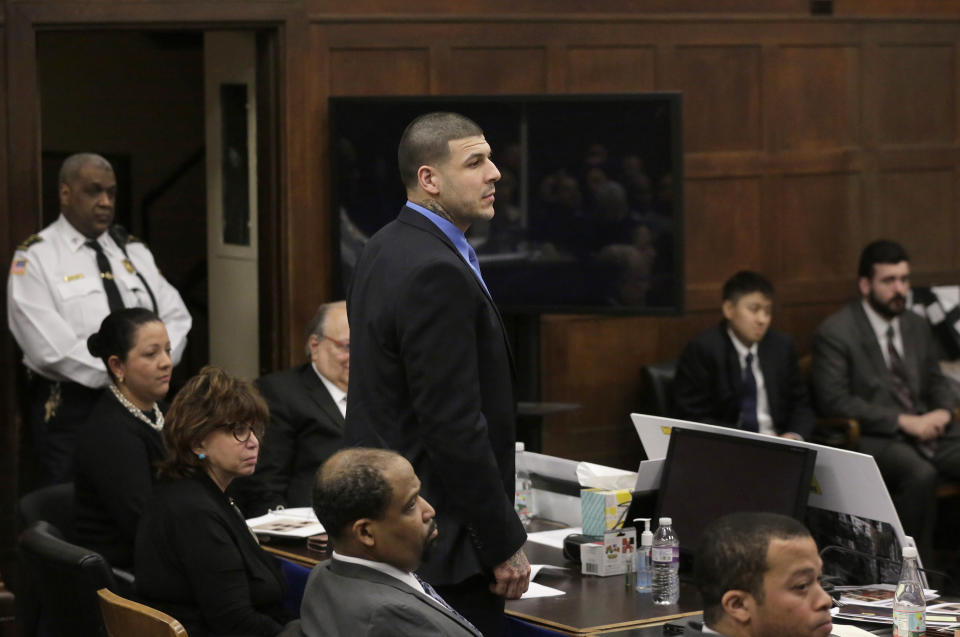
column 834, row 431
column 126, row 618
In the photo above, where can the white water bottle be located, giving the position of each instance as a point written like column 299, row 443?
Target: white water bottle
column 523, row 496
column 666, row 564
column 909, row 606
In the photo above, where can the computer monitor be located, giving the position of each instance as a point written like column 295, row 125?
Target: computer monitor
column 707, row 475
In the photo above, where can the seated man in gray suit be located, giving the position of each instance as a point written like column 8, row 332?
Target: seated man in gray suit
column 369, row 502
column 307, row 408
column 875, row 362
column 758, row 575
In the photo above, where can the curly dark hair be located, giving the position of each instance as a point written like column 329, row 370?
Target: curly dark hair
column 350, row 486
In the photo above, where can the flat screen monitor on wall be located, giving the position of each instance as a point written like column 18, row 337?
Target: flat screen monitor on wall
column 588, row 212
column 707, row 475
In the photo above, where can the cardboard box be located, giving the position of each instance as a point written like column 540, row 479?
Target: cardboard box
column 611, row 556
column 602, row 510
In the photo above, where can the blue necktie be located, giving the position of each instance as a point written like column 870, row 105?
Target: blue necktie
column 475, row 264
column 429, row 590
column 748, row 404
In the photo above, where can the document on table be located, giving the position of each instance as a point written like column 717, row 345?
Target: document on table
column 553, row 538
column 539, row 590
column 295, row 522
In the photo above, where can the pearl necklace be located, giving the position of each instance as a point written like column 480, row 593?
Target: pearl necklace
column 135, row 411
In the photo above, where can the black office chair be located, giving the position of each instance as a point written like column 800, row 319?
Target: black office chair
column 657, row 390
column 53, row 504
column 66, row 578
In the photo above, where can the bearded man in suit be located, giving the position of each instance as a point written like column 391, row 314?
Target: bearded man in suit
column 875, row 362
column 307, row 408
column 432, row 369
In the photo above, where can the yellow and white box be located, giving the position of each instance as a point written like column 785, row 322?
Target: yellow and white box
column 602, row 509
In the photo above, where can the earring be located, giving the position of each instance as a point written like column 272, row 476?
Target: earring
column 120, row 380
column 201, row 456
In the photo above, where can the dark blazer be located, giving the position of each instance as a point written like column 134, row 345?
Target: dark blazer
column 851, row 378
column 431, row 376
column 709, row 384
column 306, row 428
column 352, row 600
column 114, row 477
column 197, row 561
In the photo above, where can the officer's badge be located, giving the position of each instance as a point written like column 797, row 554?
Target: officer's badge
column 128, row 266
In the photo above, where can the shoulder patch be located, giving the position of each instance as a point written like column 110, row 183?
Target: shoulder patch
column 133, row 239
column 19, row 266
column 32, row 239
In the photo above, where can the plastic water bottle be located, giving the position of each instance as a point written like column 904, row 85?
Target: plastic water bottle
column 644, row 567
column 666, row 564
column 909, row 606
column 523, row 497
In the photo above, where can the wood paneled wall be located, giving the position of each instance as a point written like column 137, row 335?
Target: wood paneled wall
column 804, row 139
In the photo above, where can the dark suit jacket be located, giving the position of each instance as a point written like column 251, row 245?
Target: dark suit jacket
column 197, row 561
column 114, row 478
column 348, row 600
column 851, row 378
column 305, row 429
column 709, row 385
column 431, row 377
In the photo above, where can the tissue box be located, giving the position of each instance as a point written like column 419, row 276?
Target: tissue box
column 600, row 509
column 613, row 556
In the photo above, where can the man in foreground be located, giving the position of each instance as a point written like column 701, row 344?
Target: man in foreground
column 759, row 576
column 432, row 372
column 369, row 502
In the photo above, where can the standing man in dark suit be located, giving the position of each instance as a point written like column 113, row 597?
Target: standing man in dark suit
column 369, row 502
column 307, row 408
column 742, row 374
column 432, row 370
column 874, row 362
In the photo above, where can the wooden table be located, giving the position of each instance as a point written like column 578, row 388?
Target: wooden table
column 592, row 605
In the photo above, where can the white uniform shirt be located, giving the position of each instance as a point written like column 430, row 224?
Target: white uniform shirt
column 55, row 300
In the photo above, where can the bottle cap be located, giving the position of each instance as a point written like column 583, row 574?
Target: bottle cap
column 666, row 521
column 519, row 446
column 909, row 551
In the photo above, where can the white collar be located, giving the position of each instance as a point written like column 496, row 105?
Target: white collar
column 387, row 569
column 879, row 323
column 335, row 392
column 742, row 350
column 76, row 239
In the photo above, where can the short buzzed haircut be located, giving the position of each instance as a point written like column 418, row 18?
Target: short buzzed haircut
column 425, row 141
column 350, row 486
column 732, row 555
column 71, row 166
column 317, row 324
column 880, row 251
column 746, row 282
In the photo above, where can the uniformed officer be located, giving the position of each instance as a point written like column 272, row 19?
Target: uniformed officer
column 63, row 282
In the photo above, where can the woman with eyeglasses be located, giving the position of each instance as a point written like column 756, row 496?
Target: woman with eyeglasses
column 195, row 557
column 120, row 441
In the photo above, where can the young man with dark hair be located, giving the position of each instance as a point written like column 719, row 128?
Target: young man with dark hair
column 742, row 374
column 759, row 576
column 369, row 502
column 875, row 362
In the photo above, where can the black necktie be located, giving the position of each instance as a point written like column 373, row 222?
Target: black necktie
column 114, row 300
column 748, row 404
column 429, row 590
column 901, row 382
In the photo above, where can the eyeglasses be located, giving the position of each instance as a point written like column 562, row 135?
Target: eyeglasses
column 342, row 346
column 241, row 431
